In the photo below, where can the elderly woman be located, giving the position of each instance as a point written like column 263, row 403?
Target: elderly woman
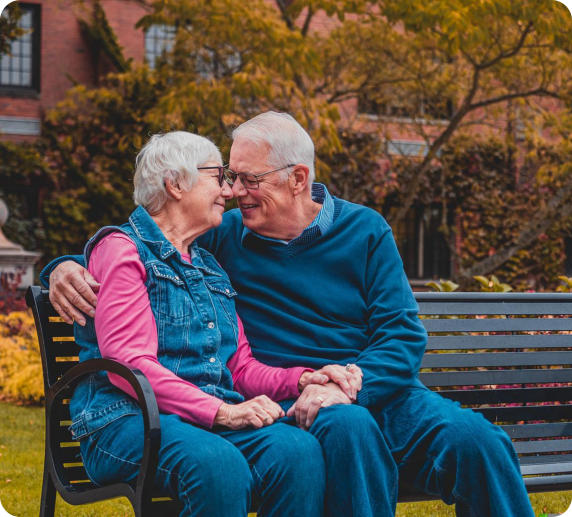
column 165, row 306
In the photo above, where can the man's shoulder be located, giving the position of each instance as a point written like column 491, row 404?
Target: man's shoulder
column 360, row 215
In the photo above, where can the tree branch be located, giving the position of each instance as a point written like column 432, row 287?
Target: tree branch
column 558, row 208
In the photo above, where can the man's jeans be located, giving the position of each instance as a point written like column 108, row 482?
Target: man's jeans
column 214, row 474
column 437, row 447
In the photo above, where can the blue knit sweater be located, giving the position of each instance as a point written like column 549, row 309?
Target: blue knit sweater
column 337, row 293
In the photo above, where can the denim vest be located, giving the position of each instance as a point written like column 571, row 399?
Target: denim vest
column 193, row 306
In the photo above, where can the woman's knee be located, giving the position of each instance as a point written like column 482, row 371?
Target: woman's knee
column 216, row 467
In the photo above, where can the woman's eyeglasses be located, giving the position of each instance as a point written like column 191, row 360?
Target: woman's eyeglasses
column 220, row 172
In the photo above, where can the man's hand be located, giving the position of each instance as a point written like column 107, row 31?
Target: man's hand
column 312, row 399
column 348, row 378
column 257, row 412
column 72, row 292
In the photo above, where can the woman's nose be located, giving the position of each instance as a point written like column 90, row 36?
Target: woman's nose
column 227, row 191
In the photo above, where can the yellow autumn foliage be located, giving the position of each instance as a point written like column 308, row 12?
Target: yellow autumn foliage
column 21, row 377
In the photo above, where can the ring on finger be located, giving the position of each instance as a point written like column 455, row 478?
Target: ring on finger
column 350, row 367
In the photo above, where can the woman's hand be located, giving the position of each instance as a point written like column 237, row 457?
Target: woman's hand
column 348, row 378
column 257, row 412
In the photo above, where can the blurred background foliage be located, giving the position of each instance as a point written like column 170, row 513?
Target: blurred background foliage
column 505, row 196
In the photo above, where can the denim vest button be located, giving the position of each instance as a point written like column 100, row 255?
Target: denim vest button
column 210, row 325
column 212, row 360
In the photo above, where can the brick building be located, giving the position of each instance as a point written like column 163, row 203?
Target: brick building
column 54, row 55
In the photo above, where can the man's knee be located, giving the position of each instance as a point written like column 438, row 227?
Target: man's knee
column 473, row 438
column 344, row 420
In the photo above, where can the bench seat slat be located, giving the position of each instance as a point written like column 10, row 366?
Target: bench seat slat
column 498, row 325
column 509, row 341
column 470, row 378
column 510, row 395
column 464, row 359
column 539, row 430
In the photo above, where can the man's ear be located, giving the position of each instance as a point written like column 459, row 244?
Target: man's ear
column 299, row 178
column 173, row 189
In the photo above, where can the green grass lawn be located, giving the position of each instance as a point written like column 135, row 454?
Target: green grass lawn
column 21, row 464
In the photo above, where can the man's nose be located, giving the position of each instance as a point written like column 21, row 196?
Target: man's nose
column 238, row 188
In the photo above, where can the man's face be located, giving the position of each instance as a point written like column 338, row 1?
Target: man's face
column 266, row 210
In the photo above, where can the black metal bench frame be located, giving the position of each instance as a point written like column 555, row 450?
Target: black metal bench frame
column 493, row 352
column 63, row 466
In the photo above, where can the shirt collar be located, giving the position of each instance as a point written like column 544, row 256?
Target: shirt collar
column 322, row 222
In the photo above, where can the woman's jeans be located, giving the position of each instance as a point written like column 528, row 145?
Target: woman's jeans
column 215, row 473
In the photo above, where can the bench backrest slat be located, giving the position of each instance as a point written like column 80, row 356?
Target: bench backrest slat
column 509, row 395
column 479, row 377
column 498, row 325
column 510, row 341
column 467, row 359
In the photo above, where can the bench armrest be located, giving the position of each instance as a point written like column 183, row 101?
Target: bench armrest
column 146, row 400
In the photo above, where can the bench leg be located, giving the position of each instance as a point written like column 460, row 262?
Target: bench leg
column 48, row 502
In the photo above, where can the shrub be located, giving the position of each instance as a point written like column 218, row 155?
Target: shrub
column 21, row 377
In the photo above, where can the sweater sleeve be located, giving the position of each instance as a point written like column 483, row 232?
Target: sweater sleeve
column 252, row 378
column 397, row 337
column 127, row 332
column 46, row 272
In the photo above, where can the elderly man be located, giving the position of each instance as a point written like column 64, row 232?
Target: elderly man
column 320, row 280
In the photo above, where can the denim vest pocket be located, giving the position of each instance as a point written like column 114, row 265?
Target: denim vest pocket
column 223, row 295
column 168, row 294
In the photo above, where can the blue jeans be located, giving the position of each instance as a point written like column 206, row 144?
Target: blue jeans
column 214, row 474
column 423, row 440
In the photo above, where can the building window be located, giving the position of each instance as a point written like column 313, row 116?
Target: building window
column 20, row 69
column 408, row 109
column 422, row 246
column 159, row 39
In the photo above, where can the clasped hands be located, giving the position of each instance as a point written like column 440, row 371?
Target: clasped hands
column 332, row 384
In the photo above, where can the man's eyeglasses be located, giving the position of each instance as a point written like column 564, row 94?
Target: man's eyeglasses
column 221, row 172
column 248, row 180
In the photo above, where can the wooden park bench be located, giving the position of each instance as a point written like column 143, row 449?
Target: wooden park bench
column 505, row 355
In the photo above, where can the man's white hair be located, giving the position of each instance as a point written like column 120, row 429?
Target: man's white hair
column 287, row 140
column 172, row 157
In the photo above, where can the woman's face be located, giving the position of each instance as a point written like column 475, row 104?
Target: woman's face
column 205, row 202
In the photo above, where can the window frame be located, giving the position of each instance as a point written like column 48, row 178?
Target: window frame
column 172, row 30
column 34, row 88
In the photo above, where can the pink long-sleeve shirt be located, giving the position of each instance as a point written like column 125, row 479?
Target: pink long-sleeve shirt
column 127, row 332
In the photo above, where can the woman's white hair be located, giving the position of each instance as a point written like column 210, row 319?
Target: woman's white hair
column 287, row 139
column 172, row 157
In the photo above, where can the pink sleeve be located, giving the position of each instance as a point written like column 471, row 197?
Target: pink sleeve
column 127, row 332
column 252, row 377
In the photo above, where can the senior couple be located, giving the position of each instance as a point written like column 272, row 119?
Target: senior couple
column 329, row 314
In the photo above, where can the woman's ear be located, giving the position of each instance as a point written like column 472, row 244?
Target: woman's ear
column 173, row 189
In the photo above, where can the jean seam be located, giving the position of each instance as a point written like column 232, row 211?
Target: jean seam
column 123, row 460
column 261, row 480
